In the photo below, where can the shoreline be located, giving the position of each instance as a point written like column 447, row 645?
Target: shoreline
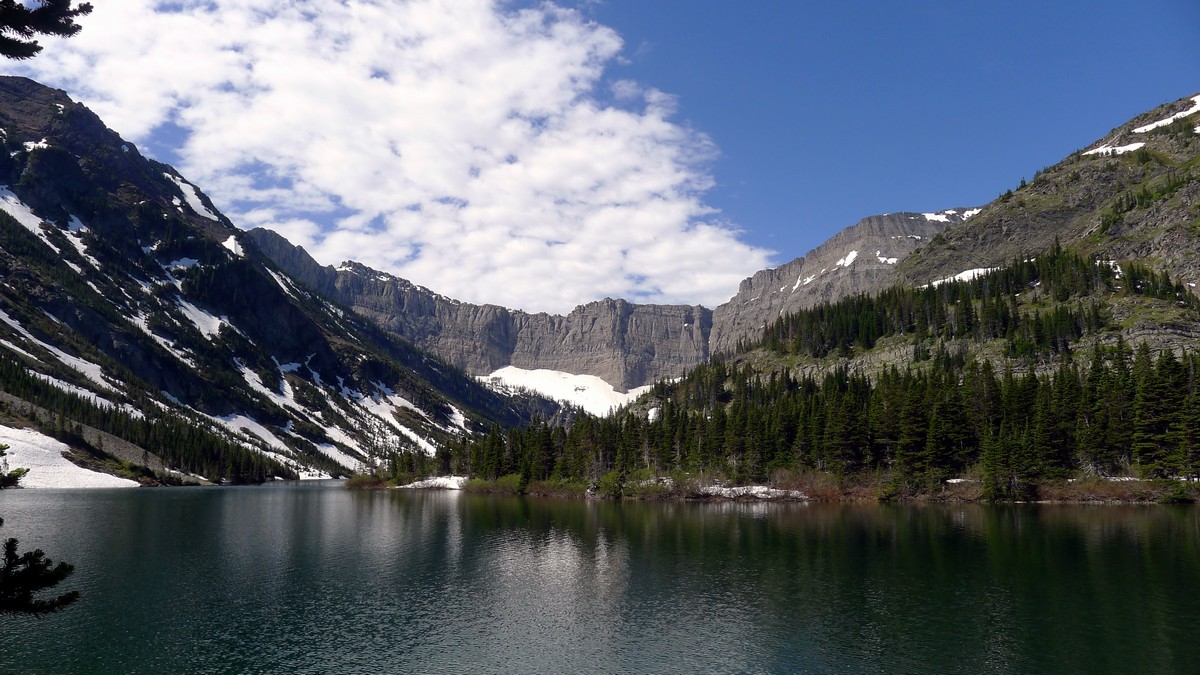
column 1093, row 491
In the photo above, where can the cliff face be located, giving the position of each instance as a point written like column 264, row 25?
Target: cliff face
column 1134, row 195
column 859, row 259
column 625, row 344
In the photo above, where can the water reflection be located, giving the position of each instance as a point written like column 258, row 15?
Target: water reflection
column 316, row 579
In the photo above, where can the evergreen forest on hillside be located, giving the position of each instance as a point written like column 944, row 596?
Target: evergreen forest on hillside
column 180, row 443
column 1058, row 402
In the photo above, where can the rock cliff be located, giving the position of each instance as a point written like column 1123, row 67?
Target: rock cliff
column 625, row 344
column 1133, row 195
column 859, row 259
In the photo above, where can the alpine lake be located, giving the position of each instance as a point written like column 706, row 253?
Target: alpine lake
column 314, row 578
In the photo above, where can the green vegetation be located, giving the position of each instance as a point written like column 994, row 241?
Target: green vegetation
column 19, row 24
column 9, row 479
column 23, row 575
column 179, row 442
column 1040, row 417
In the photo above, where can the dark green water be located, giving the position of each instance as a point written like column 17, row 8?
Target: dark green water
column 313, row 578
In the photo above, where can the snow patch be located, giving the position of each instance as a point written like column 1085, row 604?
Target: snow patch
column 86, row 395
column 207, row 324
column 421, row 441
column 939, row 217
column 333, row 452
column 88, row 369
column 438, row 483
column 458, row 419
column 1179, row 115
column 1119, row 150
column 184, row 263
column 287, row 288
column 30, row 146
column 751, row 491
column 234, row 246
column 586, row 391
column 13, row 206
column 848, row 260
column 802, row 281
column 884, row 259
column 42, row 455
column 968, row 275
column 967, row 214
column 192, row 197
column 241, row 424
column 142, row 322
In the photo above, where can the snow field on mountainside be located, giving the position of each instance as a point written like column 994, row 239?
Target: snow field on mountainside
column 1179, row 115
column 88, row 369
column 967, row 275
column 586, row 391
column 208, row 325
column 192, row 197
column 1119, row 150
column 13, row 206
column 42, row 455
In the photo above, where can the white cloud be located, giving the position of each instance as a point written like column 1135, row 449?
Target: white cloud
column 462, row 144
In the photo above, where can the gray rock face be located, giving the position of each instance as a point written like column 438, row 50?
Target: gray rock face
column 859, row 259
column 625, row 344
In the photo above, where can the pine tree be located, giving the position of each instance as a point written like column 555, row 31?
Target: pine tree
column 24, row 575
column 20, row 24
column 9, row 479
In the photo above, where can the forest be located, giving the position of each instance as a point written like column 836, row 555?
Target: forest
column 1066, row 397
column 180, row 443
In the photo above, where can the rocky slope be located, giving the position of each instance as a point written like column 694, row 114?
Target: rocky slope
column 125, row 290
column 859, row 259
column 1132, row 195
column 625, row 344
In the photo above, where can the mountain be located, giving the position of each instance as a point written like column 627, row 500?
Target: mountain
column 625, row 344
column 140, row 324
column 1131, row 196
column 859, row 259
column 130, row 306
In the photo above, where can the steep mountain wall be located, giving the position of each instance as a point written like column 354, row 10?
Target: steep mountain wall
column 1133, row 195
column 121, row 284
column 859, row 259
column 625, row 344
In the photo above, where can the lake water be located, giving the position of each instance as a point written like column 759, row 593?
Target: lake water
column 314, row 578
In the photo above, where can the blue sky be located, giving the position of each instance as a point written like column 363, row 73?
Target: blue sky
column 541, row 155
column 828, row 112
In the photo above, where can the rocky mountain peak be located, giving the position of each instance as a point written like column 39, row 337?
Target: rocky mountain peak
column 122, row 284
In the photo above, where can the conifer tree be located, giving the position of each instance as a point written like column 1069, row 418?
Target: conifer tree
column 19, row 25
column 22, row 576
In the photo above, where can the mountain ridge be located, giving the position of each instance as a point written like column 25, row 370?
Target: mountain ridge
column 1071, row 202
column 628, row 345
column 126, row 296
column 123, row 288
